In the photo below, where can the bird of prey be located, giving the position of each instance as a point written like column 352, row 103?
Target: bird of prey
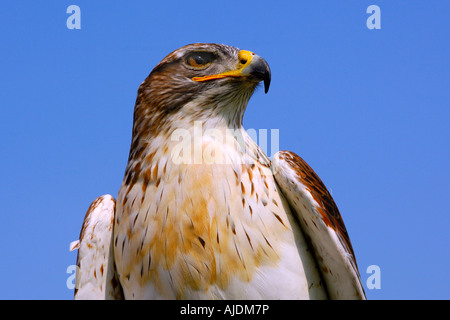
column 202, row 212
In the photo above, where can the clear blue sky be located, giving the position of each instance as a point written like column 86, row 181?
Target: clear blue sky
column 368, row 110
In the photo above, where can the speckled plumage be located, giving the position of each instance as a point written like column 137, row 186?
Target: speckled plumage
column 200, row 213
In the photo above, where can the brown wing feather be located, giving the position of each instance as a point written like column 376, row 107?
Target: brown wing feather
column 328, row 208
column 96, row 276
column 321, row 223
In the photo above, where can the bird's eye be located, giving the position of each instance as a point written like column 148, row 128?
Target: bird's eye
column 199, row 59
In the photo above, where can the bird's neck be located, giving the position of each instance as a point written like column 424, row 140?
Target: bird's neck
column 193, row 137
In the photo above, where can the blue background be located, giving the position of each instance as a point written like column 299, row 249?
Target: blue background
column 367, row 109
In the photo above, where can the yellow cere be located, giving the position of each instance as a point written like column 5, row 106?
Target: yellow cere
column 245, row 57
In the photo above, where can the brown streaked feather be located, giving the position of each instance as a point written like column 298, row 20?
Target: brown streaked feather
column 322, row 224
column 220, row 230
column 96, row 276
column 328, row 208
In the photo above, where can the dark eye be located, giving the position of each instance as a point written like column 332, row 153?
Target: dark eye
column 199, row 59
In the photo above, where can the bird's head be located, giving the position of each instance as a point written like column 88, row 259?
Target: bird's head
column 198, row 82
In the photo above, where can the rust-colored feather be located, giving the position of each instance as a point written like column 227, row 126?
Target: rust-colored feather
column 328, row 208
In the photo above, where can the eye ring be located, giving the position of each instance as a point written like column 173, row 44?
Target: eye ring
column 199, row 59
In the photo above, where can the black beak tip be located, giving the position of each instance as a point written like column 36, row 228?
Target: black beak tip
column 267, row 81
column 261, row 71
column 267, row 76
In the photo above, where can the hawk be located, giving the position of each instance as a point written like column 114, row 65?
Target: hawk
column 202, row 212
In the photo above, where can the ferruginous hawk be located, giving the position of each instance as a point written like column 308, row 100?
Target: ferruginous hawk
column 202, row 212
